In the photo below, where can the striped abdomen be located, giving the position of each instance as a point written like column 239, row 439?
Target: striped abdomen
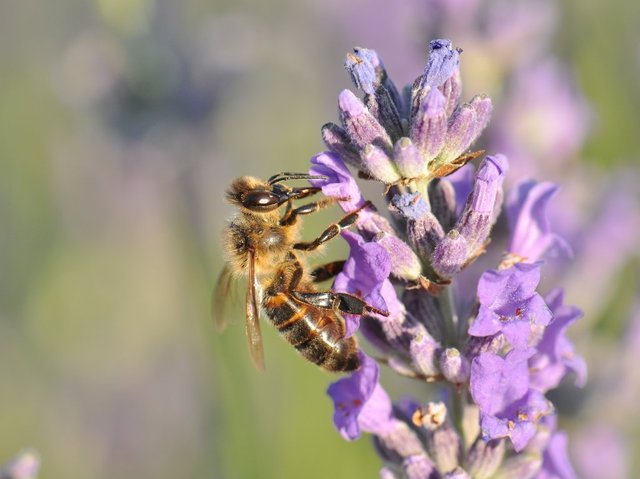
column 317, row 333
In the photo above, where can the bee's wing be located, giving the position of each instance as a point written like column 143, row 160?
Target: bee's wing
column 252, row 324
column 220, row 297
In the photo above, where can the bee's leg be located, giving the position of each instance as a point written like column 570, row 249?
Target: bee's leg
column 339, row 302
column 333, row 230
column 291, row 216
column 327, row 271
column 303, row 192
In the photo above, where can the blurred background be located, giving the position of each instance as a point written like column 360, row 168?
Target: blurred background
column 123, row 121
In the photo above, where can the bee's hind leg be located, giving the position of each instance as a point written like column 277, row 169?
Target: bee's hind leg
column 339, row 302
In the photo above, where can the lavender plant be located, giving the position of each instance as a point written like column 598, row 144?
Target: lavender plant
column 489, row 337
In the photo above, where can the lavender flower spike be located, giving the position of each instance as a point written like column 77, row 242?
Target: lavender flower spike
column 486, row 334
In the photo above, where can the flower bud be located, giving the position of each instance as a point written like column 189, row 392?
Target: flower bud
column 377, row 163
column 408, row 159
column 404, row 262
column 382, row 106
column 362, row 71
column 454, row 366
column 479, row 212
column 485, row 457
column 424, row 354
column 522, row 466
column 429, row 127
column 452, row 90
column 361, row 126
column 338, row 142
column 443, row 446
column 401, row 442
column 450, row 255
column 417, row 467
column 465, row 126
column 424, row 234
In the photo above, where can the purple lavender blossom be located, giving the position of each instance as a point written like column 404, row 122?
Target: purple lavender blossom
column 340, row 183
column 517, row 421
column 510, row 305
column 364, row 274
column 360, row 402
column 527, row 213
column 555, row 355
column 498, row 382
column 555, row 461
column 499, row 356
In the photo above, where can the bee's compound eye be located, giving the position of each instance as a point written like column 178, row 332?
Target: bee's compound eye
column 260, row 200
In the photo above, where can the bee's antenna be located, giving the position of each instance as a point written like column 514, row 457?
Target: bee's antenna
column 284, row 176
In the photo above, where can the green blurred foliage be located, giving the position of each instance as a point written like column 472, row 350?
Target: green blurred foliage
column 110, row 239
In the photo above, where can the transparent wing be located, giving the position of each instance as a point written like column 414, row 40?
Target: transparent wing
column 220, row 298
column 252, row 324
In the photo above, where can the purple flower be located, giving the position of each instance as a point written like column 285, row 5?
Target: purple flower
column 510, row 305
column 531, row 235
column 340, row 182
column 360, row 403
column 555, row 355
column 364, row 274
column 498, row 382
column 555, row 460
column 517, row 421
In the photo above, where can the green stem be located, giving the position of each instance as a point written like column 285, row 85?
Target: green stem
column 458, row 398
column 448, row 303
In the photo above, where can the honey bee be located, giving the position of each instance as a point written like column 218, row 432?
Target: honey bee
column 262, row 240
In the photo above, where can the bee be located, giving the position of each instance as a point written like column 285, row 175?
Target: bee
column 262, row 240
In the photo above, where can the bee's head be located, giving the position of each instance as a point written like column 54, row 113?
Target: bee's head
column 254, row 195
